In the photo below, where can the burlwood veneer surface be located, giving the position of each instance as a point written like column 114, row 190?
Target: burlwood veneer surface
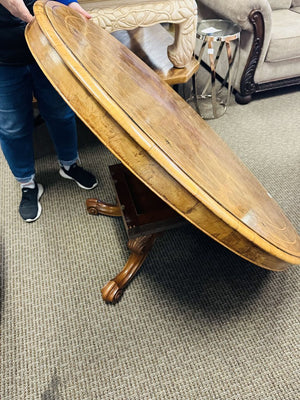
column 190, row 167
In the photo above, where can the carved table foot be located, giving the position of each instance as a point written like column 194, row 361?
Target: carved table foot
column 140, row 248
column 95, row 207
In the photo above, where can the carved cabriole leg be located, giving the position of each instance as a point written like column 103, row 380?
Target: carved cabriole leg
column 95, row 207
column 247, row 85
column 130, row 15
column 181, row 51
column 140, row 248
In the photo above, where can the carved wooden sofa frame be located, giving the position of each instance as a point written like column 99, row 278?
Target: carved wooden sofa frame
column 248, row 86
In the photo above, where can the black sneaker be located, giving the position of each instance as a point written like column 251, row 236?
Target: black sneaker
column 84, row 179
column 30, row 208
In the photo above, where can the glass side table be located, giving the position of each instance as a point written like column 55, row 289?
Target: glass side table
column 217, row 48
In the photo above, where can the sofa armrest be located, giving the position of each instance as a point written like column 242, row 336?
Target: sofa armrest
column 238, row 11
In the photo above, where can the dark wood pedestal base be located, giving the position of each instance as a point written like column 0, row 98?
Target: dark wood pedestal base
column 145, row 217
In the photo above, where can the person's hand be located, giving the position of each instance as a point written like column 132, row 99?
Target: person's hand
column 28, row 18
column 18, row 9
column 79, row 9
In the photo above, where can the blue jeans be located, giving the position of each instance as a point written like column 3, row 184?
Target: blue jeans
column 17, row 86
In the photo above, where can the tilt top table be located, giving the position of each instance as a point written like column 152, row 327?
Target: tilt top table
column 159, row 137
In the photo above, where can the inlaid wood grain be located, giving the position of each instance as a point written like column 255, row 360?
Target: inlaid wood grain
column 170, row 148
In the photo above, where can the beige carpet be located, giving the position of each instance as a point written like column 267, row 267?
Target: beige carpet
column 198, row 322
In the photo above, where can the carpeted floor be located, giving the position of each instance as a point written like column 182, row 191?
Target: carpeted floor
column 198, row 322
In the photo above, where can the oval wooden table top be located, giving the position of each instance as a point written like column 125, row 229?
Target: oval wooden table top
column 200, row 176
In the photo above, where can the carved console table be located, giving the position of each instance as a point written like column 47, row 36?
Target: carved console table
column 130, row 14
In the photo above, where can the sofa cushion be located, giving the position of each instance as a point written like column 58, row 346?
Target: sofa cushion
column 280, row 4
column 295, row 3
column 296, row 9
column 285, row 37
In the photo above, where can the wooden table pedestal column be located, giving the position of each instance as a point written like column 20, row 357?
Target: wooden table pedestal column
column 145, row 217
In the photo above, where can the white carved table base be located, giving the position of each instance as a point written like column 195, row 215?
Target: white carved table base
column 114, row 15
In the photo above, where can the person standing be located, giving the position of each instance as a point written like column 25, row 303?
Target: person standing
column 20, row 80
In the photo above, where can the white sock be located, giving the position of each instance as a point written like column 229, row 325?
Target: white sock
column 67, row 167
column 30, row 184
